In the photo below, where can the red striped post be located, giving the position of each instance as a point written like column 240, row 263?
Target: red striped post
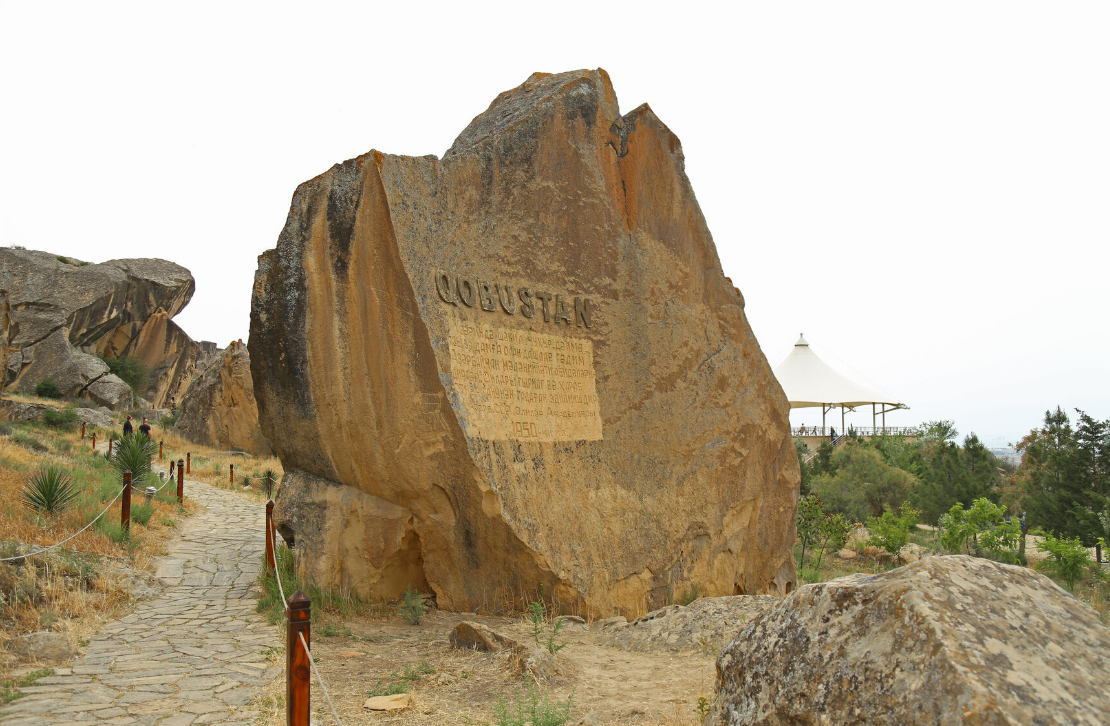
column 125, row 508
column 271, row 565
column 180, row 482
column 297, row 666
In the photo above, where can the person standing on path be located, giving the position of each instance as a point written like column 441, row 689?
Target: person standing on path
column 128, row 429
column 144, row 428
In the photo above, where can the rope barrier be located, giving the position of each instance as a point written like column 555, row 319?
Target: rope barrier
column 318, row 678
column 277, row 574
column 67, row 539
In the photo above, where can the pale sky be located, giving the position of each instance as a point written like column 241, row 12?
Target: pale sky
column 922, row 189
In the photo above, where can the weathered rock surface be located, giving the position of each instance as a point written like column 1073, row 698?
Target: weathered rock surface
column 526, row 366
column 707, row 624
column 475, row 636
column 12, row 410
column 62, row 315
column 945, row 640
column 219, row 407
column 43, row 646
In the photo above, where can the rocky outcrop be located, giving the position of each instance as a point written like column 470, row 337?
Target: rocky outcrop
column 219, row 409
column 63, row 314
column 705, row 625
column 170, row 356
column 945, row 640
column 522, row 364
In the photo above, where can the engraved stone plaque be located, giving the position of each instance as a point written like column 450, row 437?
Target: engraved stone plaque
column 522, row 385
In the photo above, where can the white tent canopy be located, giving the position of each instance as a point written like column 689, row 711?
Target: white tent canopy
column 810, row 382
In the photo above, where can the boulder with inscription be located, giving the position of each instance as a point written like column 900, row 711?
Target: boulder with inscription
column 521, row 364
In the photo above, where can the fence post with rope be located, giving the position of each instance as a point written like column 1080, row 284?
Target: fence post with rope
column 110, row 440
column 271, row 562
column 298, row 660
column 180, row 483
column 94, row 442
column 188, row 462
column 231, row 471
column 82, row 430
column 125, row 503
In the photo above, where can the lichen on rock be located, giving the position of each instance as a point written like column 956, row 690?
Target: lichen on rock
column 945, row 640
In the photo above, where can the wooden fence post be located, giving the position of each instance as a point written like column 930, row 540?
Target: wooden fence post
column 110, row 441
column 297, row 665
column 160, row 450
column 271, row 564
column 180, row 482
column 231, row 471
column 94, row 441
column 188, row 462
column 82, row 430
column 125, row 503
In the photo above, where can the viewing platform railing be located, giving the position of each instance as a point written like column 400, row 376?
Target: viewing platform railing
column 826, row 431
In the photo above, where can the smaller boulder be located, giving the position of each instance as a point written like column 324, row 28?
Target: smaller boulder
column 112, row 392
column 846, row 554
column 540, row 665
column 42, row 646
column 96, row 418
column 398, row 702
column 911, row 553
column 475, row 636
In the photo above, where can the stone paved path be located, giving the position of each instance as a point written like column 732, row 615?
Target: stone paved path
column 192, row 655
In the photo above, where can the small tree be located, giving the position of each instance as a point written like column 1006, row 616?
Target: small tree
column 1066, row 557
column 134, row 454
column 892, row 531
column 810, row 515
column 47, row 388
column 834, row 530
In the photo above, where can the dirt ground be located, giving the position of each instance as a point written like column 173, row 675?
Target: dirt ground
column 463, row 687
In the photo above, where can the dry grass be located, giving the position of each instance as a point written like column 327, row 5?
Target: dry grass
column 75, row 588
column 211, row 465
column 464, row 687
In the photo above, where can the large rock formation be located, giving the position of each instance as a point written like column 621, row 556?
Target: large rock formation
column 62, row 315
column 521, row 364
column 219, row 408
column 946, row 640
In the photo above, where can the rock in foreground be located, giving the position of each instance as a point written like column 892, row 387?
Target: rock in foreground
column 945, row 640
column 527, row 363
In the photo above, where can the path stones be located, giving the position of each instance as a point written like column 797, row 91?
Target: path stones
column 191, row 656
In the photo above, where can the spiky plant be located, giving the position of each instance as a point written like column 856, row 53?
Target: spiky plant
column 134, row 454
column 50, row 490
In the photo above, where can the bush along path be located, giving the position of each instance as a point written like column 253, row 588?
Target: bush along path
column 194, row 655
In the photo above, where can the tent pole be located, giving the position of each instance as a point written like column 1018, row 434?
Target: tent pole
column 842, row 419
column 822, row 419
column 872, row 419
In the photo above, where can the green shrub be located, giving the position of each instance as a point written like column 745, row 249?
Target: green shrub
column 167, row 421
column 50, row 491
column 111, row 528
column 47, row 388
column 1068, row 558
column 984, row 524
column 690, row 594
column 533, row 707
column 129, row 369
column 134, row 454
column 142, row 513
column 65, row 418
column 28, row 441
column 63, row 260
column 412, row 607
column 6, row 428
column 892, row 531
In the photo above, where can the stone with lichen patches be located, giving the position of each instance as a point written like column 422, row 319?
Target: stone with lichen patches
column 945, row 640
